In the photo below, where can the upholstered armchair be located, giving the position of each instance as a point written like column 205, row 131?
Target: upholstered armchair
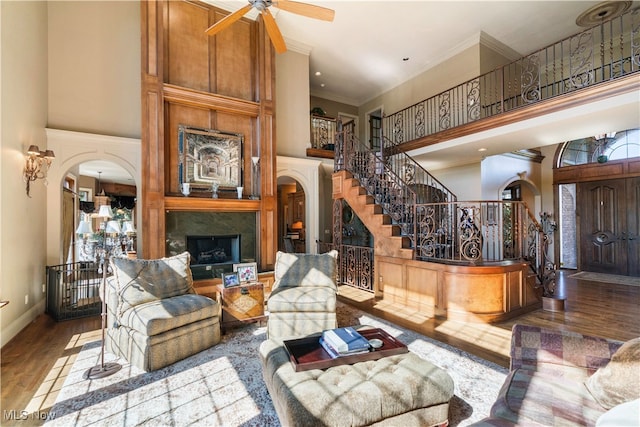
column 303, row 296
column 154, row 316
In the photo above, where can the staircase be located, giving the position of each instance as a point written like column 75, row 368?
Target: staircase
column 388, row 239
column 413, row 216
column 390, row 184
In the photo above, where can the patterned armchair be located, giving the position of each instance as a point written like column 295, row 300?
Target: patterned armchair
column 303, row 296
column 154, row 316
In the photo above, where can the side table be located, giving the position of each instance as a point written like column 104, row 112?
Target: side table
column 241, row 304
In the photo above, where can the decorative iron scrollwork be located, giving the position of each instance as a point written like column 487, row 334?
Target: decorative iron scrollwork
column 530, row 76
column 420, row 128
column 581, row 60
column 469, row 233
column 445, row 111
column 473, row 100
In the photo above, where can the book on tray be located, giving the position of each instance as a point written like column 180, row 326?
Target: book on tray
column 334, row 353
column 344, row 341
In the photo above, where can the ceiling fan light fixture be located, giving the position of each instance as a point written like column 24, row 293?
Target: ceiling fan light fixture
column 262, row 6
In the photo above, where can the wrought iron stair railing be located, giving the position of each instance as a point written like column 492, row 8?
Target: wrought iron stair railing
column 438, row 226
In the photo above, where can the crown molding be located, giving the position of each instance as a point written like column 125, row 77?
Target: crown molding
column 499, row 47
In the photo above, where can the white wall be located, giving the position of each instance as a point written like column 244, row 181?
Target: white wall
column 23, row 109
column 455, row 70
column 95, row 67
column 292, row 104
column 499, row 171
column 463, row 181
column 70, row 65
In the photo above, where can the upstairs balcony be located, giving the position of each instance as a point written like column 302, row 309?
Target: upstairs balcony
column 606, row 56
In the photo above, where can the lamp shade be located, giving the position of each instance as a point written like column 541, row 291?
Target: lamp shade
column 84, row 228
column 113, row 227
column 105, row 212
column 128, row 228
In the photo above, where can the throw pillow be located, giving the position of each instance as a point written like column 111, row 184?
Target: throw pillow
column 618, row 382
column 305, row 269
column 140, row 281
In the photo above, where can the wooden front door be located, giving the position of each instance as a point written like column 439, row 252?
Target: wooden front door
column 609, row 226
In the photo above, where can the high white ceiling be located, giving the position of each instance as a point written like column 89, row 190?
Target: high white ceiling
column 360, row 54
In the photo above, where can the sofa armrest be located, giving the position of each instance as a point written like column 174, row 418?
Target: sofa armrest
column 532, row 345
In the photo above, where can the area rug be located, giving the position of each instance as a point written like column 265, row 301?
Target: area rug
column 607, row 278
column 223, row 386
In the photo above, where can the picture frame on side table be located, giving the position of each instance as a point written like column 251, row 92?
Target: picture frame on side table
column 247, row 272
column 230, row 279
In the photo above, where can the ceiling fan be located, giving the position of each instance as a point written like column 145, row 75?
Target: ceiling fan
column 262, row 6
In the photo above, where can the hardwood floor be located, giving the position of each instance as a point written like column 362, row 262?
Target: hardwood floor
column 35, row 363
column 594, row 308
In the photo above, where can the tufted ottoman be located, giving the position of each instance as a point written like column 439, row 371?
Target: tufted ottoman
column 400, row 390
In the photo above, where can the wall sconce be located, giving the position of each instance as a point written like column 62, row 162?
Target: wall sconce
column 37, row 164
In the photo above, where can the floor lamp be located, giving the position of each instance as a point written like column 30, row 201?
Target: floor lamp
column 104, row 369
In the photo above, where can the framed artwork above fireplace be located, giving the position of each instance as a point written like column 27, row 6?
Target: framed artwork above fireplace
column 209, row 157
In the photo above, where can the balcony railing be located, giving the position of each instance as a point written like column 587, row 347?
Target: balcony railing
column 477, row 232
column 323, row 132
column 603, row 53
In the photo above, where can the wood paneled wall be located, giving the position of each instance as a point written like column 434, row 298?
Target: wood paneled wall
column 224, row 82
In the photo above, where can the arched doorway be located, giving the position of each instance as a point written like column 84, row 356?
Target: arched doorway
column 99, row 183
column 292, row 218
column 598, row 190
column 73, row 149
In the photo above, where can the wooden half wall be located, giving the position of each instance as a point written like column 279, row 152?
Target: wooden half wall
column 466, row 293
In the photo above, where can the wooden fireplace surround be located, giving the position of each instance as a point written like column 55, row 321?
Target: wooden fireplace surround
column 227, row 83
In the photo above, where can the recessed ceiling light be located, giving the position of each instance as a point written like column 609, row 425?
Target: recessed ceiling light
column 321, row 84
column 318, row 73
column 482, row 149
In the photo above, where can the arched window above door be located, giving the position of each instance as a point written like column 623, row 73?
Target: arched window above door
column 601, row 148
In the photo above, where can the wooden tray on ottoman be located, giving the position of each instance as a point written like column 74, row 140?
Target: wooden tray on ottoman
column 307, row 353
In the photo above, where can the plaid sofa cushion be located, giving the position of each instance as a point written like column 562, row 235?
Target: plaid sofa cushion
column 532, row 346
column 159, row 316
column 305, row 269
column 546, row 385
column 552, row 396
column 141, row 281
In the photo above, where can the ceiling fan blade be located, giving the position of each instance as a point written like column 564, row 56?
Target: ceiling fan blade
column 228, row 20
column 305, row 9
column 274, row 32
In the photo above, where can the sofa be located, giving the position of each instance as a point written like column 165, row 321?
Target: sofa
column 567, row 378
column 399, row 390
column 154, row 316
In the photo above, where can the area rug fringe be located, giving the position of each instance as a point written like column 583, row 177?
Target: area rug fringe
column 223, row 386
column 607, row 278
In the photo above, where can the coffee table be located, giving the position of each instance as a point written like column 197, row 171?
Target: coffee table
column 307, row 353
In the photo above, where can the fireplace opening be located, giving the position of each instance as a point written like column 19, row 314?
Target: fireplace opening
column 212, row 250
